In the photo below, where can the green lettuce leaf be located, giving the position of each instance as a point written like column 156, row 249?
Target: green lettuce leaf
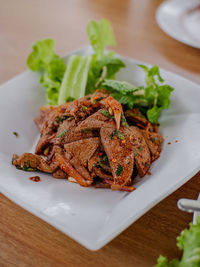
column 100, row 34
column 189, row 242
column 44, row 58
column 103, row 65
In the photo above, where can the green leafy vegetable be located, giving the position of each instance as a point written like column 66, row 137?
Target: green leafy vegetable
column 16, row 134
column 189, row 242
column 119, row 134
column 124, row 122
column 112, row 64
column 52, row 66
column 103, row 65
column 119, row 86
column 61, row 119
column 85, row 131
column 84, row 74
column 98, row 99
column 151, row 100
column 61, row 134
column 119, row 170
column 105, row 113
column 84, row 108
column 69, row 99
column 104, row 159
column 102, row 69
column 158, row 96
column 27, row 167
column 126, row 93
column 100, row 34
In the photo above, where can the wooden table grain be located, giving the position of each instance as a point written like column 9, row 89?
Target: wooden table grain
column 26, row 240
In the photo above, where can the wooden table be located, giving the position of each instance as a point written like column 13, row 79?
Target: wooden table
column 26, row 240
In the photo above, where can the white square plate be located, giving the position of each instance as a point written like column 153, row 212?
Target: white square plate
column 95, row 216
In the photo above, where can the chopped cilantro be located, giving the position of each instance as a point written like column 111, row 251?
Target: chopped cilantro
column 84, row 108
column 119, row 134
column 61, row 119
column 69, row 99
column 25, row 168
column 104, row 159
column 140, row 148
column 98, row 99
column 70, row 118
column 16, row 134
column 135, row 154
column 61, row 134
column 119, row 170
column 105, row 113
column 124, row 122
column 85, row 131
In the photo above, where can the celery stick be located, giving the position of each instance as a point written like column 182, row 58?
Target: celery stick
column 75, row 78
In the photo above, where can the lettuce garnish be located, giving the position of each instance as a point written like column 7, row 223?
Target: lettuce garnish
column 84, row 74
column 150, row 99
column 189, row 243
column 52, row 66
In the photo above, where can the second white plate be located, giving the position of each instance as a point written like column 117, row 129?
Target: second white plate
column 181, row 20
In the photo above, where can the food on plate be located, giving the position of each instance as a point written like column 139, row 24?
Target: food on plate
column 89, row 141
column 96, row 130
column 189, row 242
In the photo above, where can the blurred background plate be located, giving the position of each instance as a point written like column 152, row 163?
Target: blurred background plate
column 181, row 20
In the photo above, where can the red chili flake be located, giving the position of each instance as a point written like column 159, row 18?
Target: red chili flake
column 169, row 143
column 176, row 141
column 100, row 153
column 35, row 179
